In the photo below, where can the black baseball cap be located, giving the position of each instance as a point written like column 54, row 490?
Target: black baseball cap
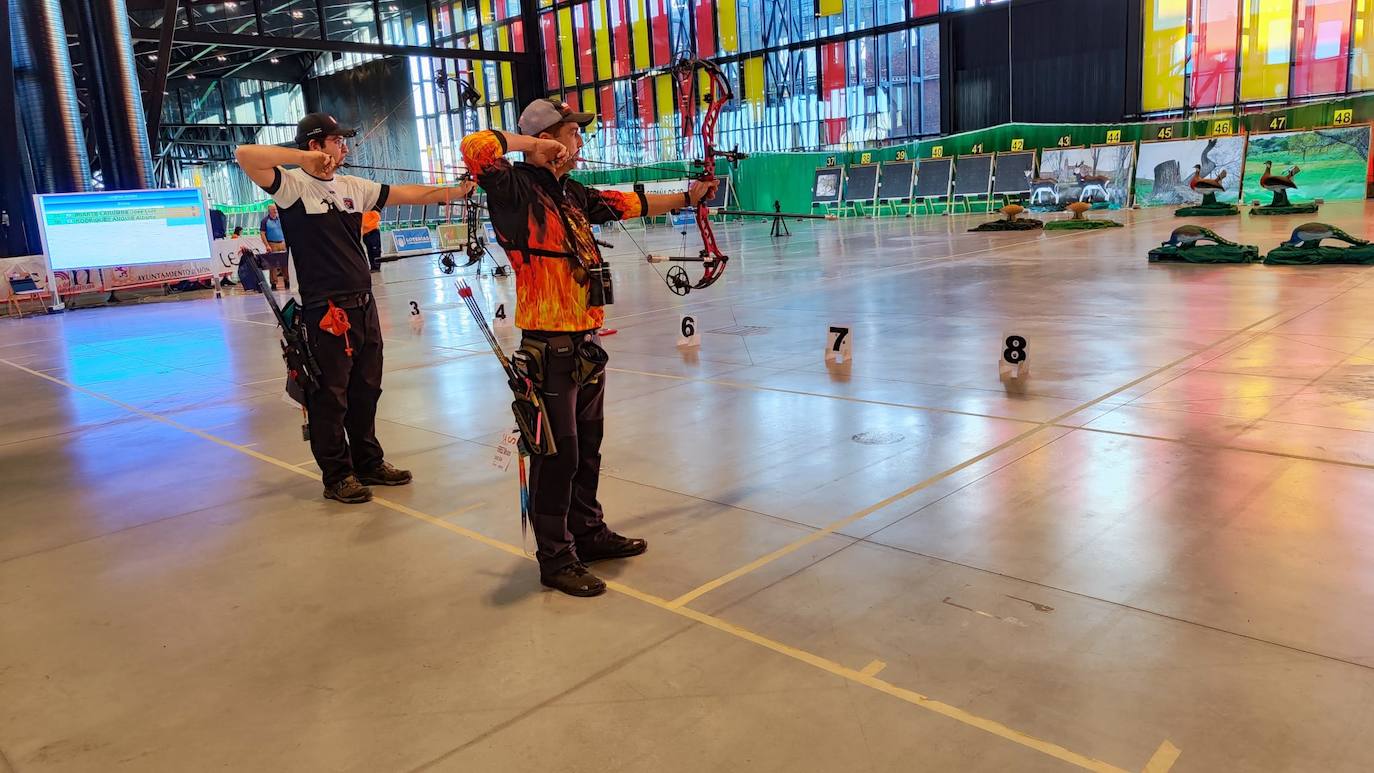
column 318, row 126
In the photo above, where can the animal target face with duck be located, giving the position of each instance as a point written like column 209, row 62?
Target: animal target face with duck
column 1171, row 173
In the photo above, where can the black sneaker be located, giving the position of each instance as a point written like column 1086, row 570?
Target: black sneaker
column 615, row 546
column 349, row 491
column 574, row 580
column 384, row 475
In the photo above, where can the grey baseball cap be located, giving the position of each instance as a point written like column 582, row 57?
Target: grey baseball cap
column 543, row 114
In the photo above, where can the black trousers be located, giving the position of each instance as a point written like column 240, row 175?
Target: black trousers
column 343, row 411
column 564, row 510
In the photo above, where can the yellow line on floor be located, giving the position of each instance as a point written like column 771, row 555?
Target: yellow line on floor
column 873, row 668
column 1164, row 758
column 835, row 526
column 809, row 658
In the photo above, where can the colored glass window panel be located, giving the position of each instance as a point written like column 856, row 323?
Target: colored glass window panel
column 549, row 31
column 567, row 46
column 832, row 86
column 728, row 22
column 1162, row 63
column 706, row 28
column 1322, row 52
column 603, row 39
column 658, row 24
column 1362, row 72
column 608, row 107
column 639, row 26
column 586, row 62
column 923, row 8
column 645, row 95
column 621, row 27
column 829, row 7
column 663, row 88
column 1215, row 24
column 1265, row 49
column 753, row 84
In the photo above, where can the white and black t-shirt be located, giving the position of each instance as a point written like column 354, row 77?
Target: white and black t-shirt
column 323, row 222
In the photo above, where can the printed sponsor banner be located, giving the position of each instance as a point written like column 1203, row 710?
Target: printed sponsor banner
column 412, row 239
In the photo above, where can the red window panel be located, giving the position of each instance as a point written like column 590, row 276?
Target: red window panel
column 517, row 32
column 571, row 99
column 832, row 88
column 645, row 87
column 586, row 60
column 1321, row 58
column 607, row 107
column 1214, row 74
column 620, row 22
column 658, row 26
column 922, row 8
column 548, row 28
column 706, row 28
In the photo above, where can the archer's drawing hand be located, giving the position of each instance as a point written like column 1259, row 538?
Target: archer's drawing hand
column 317, row 163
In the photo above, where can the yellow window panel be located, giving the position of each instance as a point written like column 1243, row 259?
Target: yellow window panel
column 753, row 84
column 829, row 7
column 568, row 44
column 640, row 27
column 484, row 11
column 507, row 80
column 1164, row 55
column 1362, row 69
column 1265, row 48
column 663, row 91
column 728, row 24
column 603, row 42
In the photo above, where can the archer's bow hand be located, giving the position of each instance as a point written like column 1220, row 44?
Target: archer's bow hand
column 700, row 191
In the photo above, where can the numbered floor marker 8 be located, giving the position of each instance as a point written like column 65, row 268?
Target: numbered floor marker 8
column 1013, row 360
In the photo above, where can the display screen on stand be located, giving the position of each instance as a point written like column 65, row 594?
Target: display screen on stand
column 124, row 228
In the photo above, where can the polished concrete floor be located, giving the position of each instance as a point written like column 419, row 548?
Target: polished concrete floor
column 1152, row 550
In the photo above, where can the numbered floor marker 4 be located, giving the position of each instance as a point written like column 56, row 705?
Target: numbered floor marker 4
column 838, row 344
column 688, row 328
column 501, row 318
column 1013, row 359
column 417, row 320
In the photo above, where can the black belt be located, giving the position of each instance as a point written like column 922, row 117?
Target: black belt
column 545, row 335
column 342, row 300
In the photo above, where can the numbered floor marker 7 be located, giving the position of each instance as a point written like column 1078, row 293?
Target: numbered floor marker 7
column 688, row 328
column 838, row 345
column 1014, row 358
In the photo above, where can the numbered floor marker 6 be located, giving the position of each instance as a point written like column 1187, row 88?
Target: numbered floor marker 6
column 501, row 318
column 838, row 345
column 1013, row 359
column 688, row 328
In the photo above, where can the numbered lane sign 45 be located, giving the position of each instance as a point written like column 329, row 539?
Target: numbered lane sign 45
column 839, row 344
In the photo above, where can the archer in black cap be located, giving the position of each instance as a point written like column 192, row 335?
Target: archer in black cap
column 320, row 126
column 321, row 213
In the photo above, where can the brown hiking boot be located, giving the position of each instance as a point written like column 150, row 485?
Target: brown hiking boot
column 349, row 491
column 384, row 475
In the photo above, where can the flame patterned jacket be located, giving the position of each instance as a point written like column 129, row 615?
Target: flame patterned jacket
column 544, row 225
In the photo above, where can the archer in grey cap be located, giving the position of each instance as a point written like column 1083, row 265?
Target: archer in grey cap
column 542, row 115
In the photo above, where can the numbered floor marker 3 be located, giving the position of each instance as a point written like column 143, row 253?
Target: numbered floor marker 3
column 502, row 319
column 838, row 345
column 1013, row 359
column 688, row 327
column 417, row 320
